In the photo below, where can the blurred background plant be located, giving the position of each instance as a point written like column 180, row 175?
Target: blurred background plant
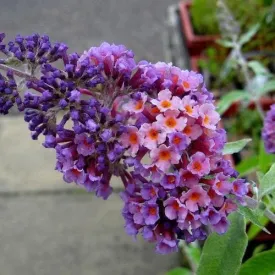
column 204, row 16
column 240, row 68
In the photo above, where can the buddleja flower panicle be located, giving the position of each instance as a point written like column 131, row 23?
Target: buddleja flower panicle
column 153, row 125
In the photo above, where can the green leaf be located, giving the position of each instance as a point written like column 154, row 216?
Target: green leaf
column 261, row 264
column 267, row 183
column 253, row 215
column 231, row 97
column 225, row 43
column 222, row 255
column 179, row 271
column 247, row 166
column 249, row 34
column 258, row 249
column 265, row 159
column 268, row 87
column 254, row 230
column 258, row 68
column 235, row 146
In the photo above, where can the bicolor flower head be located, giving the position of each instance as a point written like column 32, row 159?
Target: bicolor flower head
column 152, row 125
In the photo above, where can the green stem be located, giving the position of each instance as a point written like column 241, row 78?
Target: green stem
column 17, row 72
column 254, row 204
column 189, row 260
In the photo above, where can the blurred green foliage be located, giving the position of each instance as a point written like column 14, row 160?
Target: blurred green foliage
column 247, row 13
column 246, row 123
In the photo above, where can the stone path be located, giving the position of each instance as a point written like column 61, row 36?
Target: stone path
column 72, row 235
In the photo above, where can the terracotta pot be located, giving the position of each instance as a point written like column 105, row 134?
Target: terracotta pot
column 196, row 44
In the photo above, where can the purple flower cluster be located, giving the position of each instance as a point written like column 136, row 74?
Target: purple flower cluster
column 187, row 186
column 33, row 49
column 8, row 93
column 153, row 125
column 268, row 132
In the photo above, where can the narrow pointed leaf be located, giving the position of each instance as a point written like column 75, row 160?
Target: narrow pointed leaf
column 222, row 254
column 249, row 34
column 253, row 215
column 235, row 146
column 258, row 67
column 268, row 87
column 254, row 230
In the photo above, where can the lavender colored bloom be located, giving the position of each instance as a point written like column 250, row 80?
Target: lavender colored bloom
column 106, row 135
column 221, row 226
column 174, row 209
column 91, row 125
column 150, row 213
column 210, row 216
column 75, row 96
column 268, row 132
column 85, row 145
column 149, row 192
column 179, row 140
column 240, row 188
column 50, row 141
column 148, row 234
column 75, row 175
column 167, row 246
column 170, row 181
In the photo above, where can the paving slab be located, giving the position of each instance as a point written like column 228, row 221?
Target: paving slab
column 25, row 165
column 72, row 235
column 81, row 24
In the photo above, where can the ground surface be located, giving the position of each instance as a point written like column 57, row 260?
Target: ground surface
column 49, row 228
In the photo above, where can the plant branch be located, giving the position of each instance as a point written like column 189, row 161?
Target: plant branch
column 17, row 72
column 189, row 260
